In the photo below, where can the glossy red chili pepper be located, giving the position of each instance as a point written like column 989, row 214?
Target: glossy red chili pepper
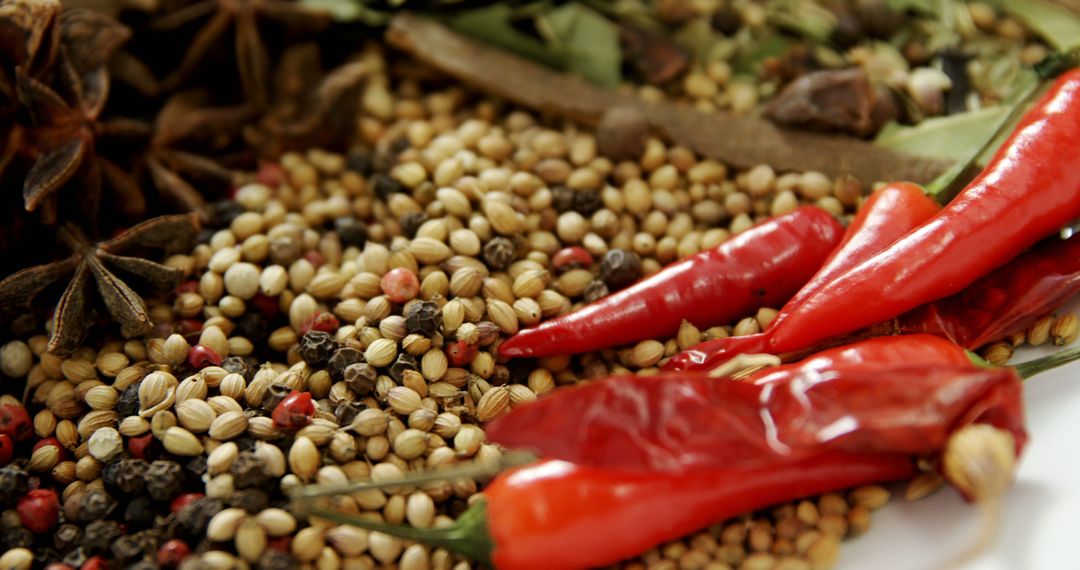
column 554, row 514
column 884, row 352
column 886, row 216
column 688, row 421
column 764, row 265
column 1030, row 189
column 1008, row 300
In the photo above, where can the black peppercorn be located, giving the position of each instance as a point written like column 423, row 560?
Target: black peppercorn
column 423, row 317
column 76, row 558
column 100, row 534
column 594, row 291
column 385, row 185
column 359, row 160
column 67, row 537
column 274, row 560
column 252, row 326
column 274, row 395
column 251, row 500
column 346, row 412
column 247, row 470
column 411, row 222
column 16, row 538
column 562, row 199
column 405, row 361
column 128, row 403
column 94, row 505
column 620, row 268
column 587, row 202
column 140, row 512
column 316, row 347
column 164, row 480
column 285, row 250
column 351, row 231
column 223, row 212
column 196, row 466
column 192, row 519
column 143, row 565
column 726, row 19
column 499, row 253
column 622, row 133
column 342, row 359
column 14, row 483
column 130, row 547
column 235, row 365
column 130, row 475
column 360, row 378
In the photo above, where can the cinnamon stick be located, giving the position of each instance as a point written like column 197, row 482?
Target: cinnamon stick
column 742, row 142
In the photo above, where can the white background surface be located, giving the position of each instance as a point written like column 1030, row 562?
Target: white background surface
column 1040, row 527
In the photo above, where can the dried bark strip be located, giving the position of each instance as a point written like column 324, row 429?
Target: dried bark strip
column 742, row 142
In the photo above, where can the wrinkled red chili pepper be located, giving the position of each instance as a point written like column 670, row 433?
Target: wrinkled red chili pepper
column 886, row 216
column 764, row 265
column 554, row 514
column 678, row 422
column 1008, row 300
column 1030, row 189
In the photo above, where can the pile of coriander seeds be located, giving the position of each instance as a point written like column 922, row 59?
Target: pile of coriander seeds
column 340, row 322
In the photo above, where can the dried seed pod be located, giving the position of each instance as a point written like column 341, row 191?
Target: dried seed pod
column 492, row 404
column 277, row 522
column 250, row 540
column 223, row 525
column 271, row 457
column 182, row 442
column 228, row 425
column 373, row 421
column 1065, row 329
column 195, row 415
column 221, row 458
column 381, row 352
column 303, row 458
column 403, row 401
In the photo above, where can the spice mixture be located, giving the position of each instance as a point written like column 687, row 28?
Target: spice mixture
column 338, row 317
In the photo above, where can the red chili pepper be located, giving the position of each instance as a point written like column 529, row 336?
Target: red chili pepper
column 1008, row 300
column 691, row 421
column 1029, row 190
column 764, row 265
column 554, row 514
column 886, row 216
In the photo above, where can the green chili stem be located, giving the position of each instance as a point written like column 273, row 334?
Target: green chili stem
column 1033, row 367
column 945, row 187
column 468, row 536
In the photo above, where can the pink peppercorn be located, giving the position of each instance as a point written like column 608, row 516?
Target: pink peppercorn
column 294, row 411
column 460, row 353
column 39, row 510
column 400, row 285
column 200, row 356
column 571, row 257
column 322, row 322
column 15, row 422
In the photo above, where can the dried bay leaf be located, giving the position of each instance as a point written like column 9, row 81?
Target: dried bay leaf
column 742, row 142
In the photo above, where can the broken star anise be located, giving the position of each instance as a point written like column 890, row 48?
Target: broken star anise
column 102, row 267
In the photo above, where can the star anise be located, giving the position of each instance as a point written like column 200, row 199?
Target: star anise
column 310, row 108
column 252, row 59
column 63, row 112
column 102, row 267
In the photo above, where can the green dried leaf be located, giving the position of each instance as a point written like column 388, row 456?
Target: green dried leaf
column 927, row 7
column 494, row 25
column 803, row 17
column 1059, row 26
column 750, row 58
column 950, row 137
column 588, row 42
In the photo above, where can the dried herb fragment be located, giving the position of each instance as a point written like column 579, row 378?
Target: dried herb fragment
column 100, row 267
